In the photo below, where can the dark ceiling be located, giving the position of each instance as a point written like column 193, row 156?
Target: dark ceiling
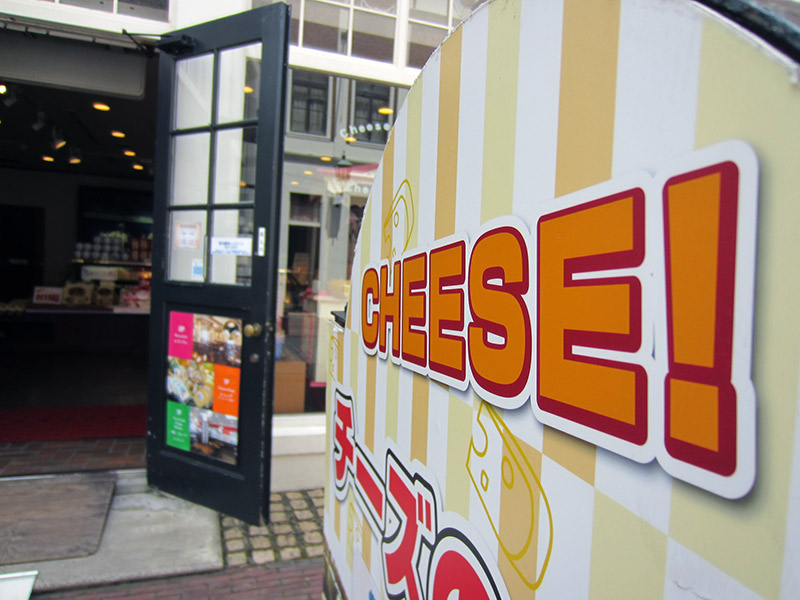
column 30, row 116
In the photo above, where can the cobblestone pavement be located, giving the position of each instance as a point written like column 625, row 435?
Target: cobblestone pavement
column 295, row 531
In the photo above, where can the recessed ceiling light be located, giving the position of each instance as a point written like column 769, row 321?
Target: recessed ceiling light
column 295, row 183
column 101, row 106
column 385, row 110
column 325, row 158
column 47, row 158
column 129, row 153
column 308, row 172
column 138, row 167
column 350, row 139
column 75, row 160
column 117, row 134
column 248, row 89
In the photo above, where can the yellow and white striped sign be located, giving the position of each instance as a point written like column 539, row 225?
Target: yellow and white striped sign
column 570, row 364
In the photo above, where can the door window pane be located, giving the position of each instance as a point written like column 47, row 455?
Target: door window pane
column 239, row 79
column 325, row 27
column 309, row 104
column 235, row 166
column 187, row 235
column 190, row 169
column 373, row 36
column 232, row 247
column 194, row 78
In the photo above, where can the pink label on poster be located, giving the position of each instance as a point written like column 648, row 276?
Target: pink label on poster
column 181, row 331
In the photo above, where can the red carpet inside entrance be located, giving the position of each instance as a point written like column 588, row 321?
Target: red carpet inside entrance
column 74, row 423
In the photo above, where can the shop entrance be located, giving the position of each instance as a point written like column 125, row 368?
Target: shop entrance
column 216, row 214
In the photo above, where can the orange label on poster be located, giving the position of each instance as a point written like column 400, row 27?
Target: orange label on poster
column 226, row 390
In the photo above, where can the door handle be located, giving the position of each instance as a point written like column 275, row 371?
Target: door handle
column 253, row 330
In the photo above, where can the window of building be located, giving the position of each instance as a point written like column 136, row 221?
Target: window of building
column 372, row 109
column 309, row 103
column 156, row 10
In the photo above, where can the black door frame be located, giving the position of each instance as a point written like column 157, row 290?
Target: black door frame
column 240, row 490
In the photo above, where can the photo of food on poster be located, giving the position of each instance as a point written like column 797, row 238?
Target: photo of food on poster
column 203, row 373
column 214, row 435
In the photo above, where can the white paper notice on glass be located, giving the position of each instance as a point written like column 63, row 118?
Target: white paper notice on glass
column 187, row 236
column 197, row 269
column 238, row 246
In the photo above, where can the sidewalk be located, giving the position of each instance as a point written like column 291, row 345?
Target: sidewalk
column 282, row 560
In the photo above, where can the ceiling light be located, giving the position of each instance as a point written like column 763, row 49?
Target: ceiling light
column 3, row 88
column 325, row 158
column 47, row 158
column 248, row 89
column 101, row 106
column 129, row 153
column 385, row 110
column 57, row 140
column 295, row 183
column 308, row 172
column 137, row 167
column 350, row 139
column 74, row 156
column 117, row 134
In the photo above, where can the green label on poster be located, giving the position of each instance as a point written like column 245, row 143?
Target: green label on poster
column 178, row 426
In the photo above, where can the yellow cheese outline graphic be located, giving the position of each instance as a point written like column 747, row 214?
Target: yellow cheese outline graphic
column 523, row 467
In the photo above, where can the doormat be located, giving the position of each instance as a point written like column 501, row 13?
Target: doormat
column 48, row 518
column 73, row 423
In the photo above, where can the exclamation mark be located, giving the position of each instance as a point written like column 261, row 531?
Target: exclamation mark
column 700, row 220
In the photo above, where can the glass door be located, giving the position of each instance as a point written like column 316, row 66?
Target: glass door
column 216, row 217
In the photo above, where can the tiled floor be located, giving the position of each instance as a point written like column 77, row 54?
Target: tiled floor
column 279, row 560
column 34, row 458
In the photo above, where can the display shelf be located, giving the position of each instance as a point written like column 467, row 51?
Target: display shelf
column 111, row 263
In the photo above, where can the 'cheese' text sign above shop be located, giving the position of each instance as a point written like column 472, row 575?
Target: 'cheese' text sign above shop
column 626, row 314
column 569, row 365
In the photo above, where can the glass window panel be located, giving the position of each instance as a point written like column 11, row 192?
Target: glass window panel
column 104, row 5
column 430, row 11
column 187, row 235
column 369, row 99
column 232, row 247
column 373, row 36
column 304, row 208
column 157, row 10
column 423, row 40
column 190, row 169
column 239, row 79
column 193, row 91
column 387, row 6
column 235, row 166
column 325, row 27
column 309, row 103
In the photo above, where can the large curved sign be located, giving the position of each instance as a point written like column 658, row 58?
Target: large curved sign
column 569, row 365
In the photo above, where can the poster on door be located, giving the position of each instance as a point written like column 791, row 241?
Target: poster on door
column 568, row 367
column 202, row 384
